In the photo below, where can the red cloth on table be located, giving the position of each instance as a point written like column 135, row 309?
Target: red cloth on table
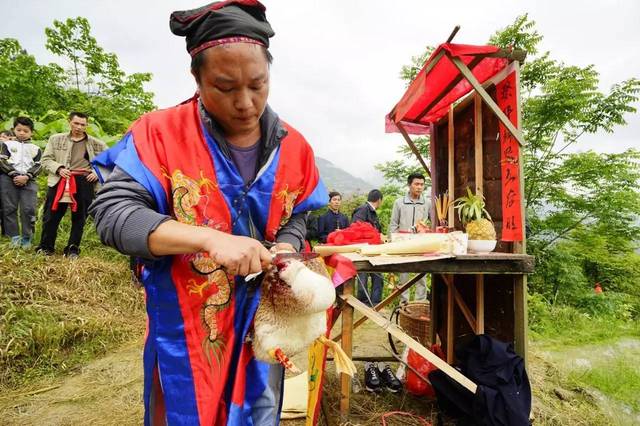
column 358, row 232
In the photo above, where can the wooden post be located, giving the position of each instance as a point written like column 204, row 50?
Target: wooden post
column 451, row 170
column 433, row 307
column 450, row 318
column 479, row 304
column 520, row 283
column 479, row 162
column 347, row 347
column 477, row 126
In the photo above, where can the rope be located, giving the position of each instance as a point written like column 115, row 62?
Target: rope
column 420, row 420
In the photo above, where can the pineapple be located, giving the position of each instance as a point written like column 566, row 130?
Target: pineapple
column 474, row 217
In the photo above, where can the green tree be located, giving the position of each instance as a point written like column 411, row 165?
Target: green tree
column 96, row 82
column 582, row 206
column 26, row 86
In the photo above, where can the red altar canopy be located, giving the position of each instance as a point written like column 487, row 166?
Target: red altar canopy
column 440, row 83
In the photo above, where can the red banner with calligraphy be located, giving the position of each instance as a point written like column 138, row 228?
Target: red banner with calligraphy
column 507, row 99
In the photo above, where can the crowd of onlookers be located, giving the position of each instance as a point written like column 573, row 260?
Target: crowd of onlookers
column 70, row 183
column 408, row 211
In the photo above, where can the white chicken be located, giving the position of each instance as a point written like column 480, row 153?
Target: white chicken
column 292, row 311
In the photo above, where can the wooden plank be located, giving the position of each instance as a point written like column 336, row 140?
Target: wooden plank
column 396, row 332
column 450, row 319
column 451, row 171
column 434, row 177
column 479, row 304
column 347, row 346
column 478, row 158
column 487, row 99
column 466, row 312
column 523, row 265
column 413, row 147
column 433, row 308
column 387, row 300
column 520, row 316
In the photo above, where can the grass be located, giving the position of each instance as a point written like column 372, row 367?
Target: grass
column 56, row 314
column 619, row 380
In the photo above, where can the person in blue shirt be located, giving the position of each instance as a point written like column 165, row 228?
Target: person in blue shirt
column 332, row 219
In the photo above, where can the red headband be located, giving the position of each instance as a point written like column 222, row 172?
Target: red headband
column 227, row 40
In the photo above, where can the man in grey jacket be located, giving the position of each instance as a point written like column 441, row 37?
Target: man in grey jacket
column 66, row 158
column 407, row 212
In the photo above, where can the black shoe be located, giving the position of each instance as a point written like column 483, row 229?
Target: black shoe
column 45, row 251
column 372, row 377
column 389, row 380
column 72, row 252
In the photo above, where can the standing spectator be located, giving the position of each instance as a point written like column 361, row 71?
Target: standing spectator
column 5, row 135
column 19, row 164
column 332, row 219
column 407, row 212
column 66, row 158
column 367, row 213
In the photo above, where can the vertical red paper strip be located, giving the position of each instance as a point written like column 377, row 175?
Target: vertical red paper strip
column 510, row 157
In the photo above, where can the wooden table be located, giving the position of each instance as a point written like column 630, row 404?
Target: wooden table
column 504, row 273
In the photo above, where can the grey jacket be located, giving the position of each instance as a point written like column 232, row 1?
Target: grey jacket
column 407, row 213
column 57, row 154
column 125, row 213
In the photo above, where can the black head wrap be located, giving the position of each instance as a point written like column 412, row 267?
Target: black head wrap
column 244, row 19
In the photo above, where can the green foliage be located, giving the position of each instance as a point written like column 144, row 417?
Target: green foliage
column 396, row 172
column 582, row 207
column 471, row 207
column 94, row 83
column 97, row 83
column 409, row 72
column 600, row 318
column 25, row 85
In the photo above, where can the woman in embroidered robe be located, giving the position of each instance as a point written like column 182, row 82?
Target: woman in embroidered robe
column 195, row 190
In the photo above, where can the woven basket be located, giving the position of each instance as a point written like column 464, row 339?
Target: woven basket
column 415, row 320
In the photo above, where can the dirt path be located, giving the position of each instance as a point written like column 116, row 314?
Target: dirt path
column 108, row 391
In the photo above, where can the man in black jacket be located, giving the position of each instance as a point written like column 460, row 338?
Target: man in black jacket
column 367, row 213
column 332, row 219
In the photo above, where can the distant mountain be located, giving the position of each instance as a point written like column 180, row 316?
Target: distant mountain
column 340, row 180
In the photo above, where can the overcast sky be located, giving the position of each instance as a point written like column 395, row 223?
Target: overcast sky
column 336, row 66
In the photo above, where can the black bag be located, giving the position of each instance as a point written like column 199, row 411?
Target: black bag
column 503, row 396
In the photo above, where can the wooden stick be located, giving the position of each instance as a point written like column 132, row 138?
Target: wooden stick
column 347, row 346
column 396, row 332
column 413, row 147
column 478, row 158
column 487, row 98
column 450, row 319
column 451, row 169
column 453, row 33
column 387, row 300
column 461, row 303
column 479, row 304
